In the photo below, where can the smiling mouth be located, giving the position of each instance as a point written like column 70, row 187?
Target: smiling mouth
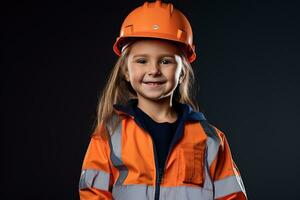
column 153, row 83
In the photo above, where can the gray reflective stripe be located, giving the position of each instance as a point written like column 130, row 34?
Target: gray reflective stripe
column 212, row 148
column 115, row 143
column 144, row 192
column 208, row 183
column 91, row 178
column 213, row 141
column 130, row 192
column 228, row 186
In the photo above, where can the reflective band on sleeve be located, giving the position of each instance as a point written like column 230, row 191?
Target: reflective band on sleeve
column 91, row 178
column 228, row 186
column 115, row 143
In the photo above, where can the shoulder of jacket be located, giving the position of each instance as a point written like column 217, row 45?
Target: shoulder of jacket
column 219, row 131
column 106, row 128
column 100, row 132
column 220, row 134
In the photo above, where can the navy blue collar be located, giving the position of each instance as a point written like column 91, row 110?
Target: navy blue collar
column 188, row 114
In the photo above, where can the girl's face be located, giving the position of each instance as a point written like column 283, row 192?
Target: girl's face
column 154, row 69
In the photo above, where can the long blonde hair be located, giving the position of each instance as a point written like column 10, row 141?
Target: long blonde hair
column 118, row 91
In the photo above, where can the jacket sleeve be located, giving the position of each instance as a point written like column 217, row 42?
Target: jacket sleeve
column 228, row 183
column 96, row 176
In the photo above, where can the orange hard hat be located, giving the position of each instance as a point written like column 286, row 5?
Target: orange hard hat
column 157, row 20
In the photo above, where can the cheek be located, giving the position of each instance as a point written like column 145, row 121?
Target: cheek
column 135, row 74
column 136, row 79
column 173, row 74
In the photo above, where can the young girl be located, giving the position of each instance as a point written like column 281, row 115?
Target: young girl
column 150, row 141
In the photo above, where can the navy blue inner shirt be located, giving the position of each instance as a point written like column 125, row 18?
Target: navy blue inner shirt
column 162, row 134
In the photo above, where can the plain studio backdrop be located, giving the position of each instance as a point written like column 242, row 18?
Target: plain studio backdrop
column 56, row 59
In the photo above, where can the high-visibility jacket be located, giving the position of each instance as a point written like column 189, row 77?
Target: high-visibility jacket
column 122, row 165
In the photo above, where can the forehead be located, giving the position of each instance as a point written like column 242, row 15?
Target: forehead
column 153, row 47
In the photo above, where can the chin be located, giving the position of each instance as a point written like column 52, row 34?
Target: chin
column 155, row 97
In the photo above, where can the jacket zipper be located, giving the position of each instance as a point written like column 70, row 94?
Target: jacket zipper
column 161, row 170
column 158, row 172
column 157, row 186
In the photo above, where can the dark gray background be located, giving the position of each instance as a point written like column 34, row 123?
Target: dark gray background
column 57, row 56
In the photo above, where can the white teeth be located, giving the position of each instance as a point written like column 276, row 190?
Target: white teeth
column 152, row 83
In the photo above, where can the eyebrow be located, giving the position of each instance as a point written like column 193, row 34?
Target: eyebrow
column 147, row 55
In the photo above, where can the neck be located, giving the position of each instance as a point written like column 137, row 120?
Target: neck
column 159, row 110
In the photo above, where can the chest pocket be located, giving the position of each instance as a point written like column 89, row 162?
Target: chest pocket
column 191, row 164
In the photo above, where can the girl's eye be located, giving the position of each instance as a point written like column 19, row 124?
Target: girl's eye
column 165, row 62
column 141, row 61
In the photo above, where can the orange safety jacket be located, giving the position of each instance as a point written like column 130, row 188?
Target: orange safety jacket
column 122, row 165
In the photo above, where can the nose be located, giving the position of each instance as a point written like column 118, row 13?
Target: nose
column 154, row 69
